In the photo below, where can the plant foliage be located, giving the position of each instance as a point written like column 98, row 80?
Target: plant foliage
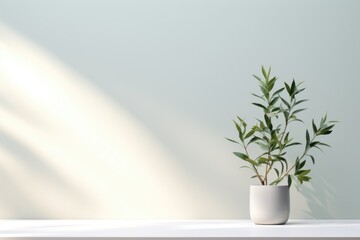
column 271, row 134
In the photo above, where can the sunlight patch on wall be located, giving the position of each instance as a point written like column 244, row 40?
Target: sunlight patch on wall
column 68, row 151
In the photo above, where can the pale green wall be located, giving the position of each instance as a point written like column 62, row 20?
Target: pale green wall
column 183, row 69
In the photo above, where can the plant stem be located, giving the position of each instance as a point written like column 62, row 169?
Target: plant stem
column 270, row 166
column 255, row 169
column 281, row 139
column 267, row 169
column 280, row 150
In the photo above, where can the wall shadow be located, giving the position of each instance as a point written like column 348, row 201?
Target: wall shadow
column 36, row 166
column 320, row 198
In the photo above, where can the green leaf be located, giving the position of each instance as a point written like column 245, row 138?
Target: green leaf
column 273, row 145
column 263, row 160
column 289, row 181
column 268, row 122
column 313, row 144
column 303, row 172
column 318, row 148
column 307, row 139
column 277, row 172
column 286, row 165
column 271, row 84
column 262, row 98
column 306, row 178
column 252, row 162
column 273, row 113
column 293, row 88
column 241, row 155
column 250, row 133
column 241, row 136
column 299, row 110
column 329, row 127
column 286, row 138
column 242, row 121
column 260, row 105
column 288, row 89
column 323, row 120
column 276, row 109
column 325, row 132
column 275, row 182
column 282, row 167
column 265, row 92
column 269, row 71
column 280, row 158
column 263, row 146
column 300, row 179
column 297, row 164
column 299, row 91
column 264, row 73
column 257, row 78
column 286, row 116
column 293, row 144
column 274, row 101
column 297, row 120
column 301, row 101
column 262, row 126
column 285, row 102
column 303, row 178
column 324, row 144
column 253, row 139
column 314, row 127
column 278, row 91
column 302, row 164
column 232, row 140
column 248, row 168
column 312, row 158
column 273, row 80
column 274, row 136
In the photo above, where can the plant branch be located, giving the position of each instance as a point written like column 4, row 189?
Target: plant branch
column 298, row 160
column 254, row 167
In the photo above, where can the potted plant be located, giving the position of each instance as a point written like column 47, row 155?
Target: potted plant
column 272, row 164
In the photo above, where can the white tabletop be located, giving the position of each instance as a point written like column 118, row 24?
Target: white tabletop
column 179, row 228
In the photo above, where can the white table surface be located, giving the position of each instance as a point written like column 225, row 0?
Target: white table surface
column 178, row 229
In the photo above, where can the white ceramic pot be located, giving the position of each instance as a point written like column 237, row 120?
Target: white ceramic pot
column 269, row 204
